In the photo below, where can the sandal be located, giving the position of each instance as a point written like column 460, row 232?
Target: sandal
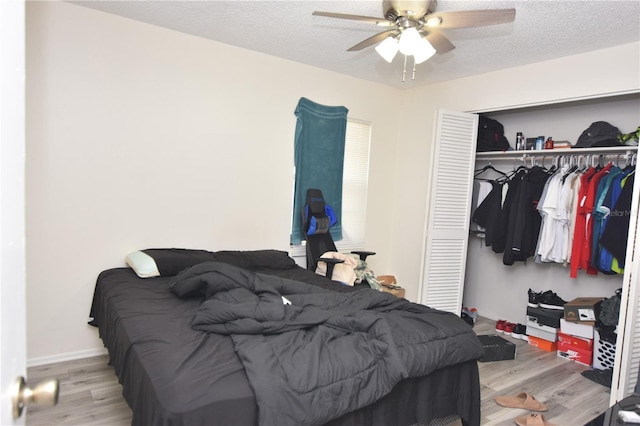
column 533, row 420
column 522, row 400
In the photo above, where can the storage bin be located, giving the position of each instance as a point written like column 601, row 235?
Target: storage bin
column 604, row 353
column 496, row 348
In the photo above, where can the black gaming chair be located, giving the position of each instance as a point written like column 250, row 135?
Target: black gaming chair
column 317, row 219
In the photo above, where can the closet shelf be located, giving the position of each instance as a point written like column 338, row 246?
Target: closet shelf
column 511, row 155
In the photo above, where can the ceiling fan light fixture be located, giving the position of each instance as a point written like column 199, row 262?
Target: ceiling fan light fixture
column 433, row 22
column 409, row 41
column 424, row 51
column 388, row 49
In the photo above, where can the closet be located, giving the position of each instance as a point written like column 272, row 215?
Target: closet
column 500, row 291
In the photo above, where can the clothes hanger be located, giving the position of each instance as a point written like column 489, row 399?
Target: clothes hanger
column 488, row 167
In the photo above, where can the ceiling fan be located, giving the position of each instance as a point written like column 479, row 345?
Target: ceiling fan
column 413, row 27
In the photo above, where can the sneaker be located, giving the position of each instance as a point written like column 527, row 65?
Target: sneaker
column 519, row 330
column 534, row 299
column 467, row 318
column 550, row 300
column 500, row 326
column 508, row 327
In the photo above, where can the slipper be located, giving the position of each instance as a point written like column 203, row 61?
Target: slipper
column 522, row 400
column 533, row 420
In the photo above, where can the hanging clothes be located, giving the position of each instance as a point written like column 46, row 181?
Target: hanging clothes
column 481, row 189
column 554, row 210
column 599, row 214
column 524, row 220
column 580, row 223
column 505, row 215
column 614, row 236
column 605, row 257
column 589, row 202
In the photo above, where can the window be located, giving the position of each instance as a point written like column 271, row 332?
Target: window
column 354, row 188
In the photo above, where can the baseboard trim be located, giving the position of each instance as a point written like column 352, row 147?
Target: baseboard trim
column 69, row 356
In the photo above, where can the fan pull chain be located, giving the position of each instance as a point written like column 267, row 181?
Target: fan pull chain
column 413, row 76
column 404, row 69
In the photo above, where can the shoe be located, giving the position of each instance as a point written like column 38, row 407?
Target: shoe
column 473, row 313
column 519, row 331
column 521, row 400
column 550, row 300
column 500, row 326
column 508, row 327
column 533, row 299
column 533, row 420
column 467, row 318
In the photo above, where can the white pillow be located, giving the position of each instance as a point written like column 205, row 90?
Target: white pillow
column 143, row 264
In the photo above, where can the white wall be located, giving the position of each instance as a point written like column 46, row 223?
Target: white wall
column 568, row 78
column 140, row 137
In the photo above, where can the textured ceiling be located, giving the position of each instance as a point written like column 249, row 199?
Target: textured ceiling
column 542, row 30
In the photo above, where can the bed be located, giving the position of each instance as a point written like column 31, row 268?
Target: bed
column 173, row 373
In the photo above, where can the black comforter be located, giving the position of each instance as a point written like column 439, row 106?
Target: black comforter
column 312, row 355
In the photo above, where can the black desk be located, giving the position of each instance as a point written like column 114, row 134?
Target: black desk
column 610, row 417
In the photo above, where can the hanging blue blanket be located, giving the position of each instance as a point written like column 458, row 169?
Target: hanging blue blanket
column 319, row 159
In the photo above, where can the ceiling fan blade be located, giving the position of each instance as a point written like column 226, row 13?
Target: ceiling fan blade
column 373, row 40
column 439, row 41
column 469, row 18
column 378, row 21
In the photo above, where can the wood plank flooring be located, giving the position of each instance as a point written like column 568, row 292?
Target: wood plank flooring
column 91, row 395
column 573, row 400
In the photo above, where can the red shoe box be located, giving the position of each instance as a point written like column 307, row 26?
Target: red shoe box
column 576, row 342
column 575, row 349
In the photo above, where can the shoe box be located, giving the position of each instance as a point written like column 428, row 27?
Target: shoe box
column 575, row 348
column 582, row 309
column 576, row 329
column 543, row 344
column 543, row 323
column 496, row 348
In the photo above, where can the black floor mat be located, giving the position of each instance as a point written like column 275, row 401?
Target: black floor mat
column 603, row 377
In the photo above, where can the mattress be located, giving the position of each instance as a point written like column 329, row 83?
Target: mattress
column 172, row 374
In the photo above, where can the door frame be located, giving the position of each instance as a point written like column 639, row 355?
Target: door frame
column 12, row 204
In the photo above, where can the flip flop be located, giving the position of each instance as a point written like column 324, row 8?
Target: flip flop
column 522, row 400
column 533, row 420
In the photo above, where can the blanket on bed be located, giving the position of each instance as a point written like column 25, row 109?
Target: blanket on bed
column 312, row 355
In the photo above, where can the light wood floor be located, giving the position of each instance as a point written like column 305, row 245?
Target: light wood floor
column 91, row 395
column 573, row 400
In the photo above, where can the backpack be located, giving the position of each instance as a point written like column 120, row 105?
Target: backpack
column 599, row 133
column 610, row 309
column 491, row 136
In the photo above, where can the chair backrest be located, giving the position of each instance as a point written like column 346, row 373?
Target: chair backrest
column 317, row 219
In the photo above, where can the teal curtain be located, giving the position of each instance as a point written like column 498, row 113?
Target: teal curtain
column 319, row 160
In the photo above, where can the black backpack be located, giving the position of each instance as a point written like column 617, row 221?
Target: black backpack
column 491, row 136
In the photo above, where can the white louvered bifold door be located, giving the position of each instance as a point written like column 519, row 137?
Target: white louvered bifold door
column 627, row 359
column 448, row 211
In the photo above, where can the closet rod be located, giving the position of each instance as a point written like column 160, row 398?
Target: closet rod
column 615, row 152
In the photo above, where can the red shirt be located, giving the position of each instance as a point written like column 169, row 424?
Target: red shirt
column 581, row 220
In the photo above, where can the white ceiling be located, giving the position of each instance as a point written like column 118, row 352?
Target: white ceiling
column 543, row 29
